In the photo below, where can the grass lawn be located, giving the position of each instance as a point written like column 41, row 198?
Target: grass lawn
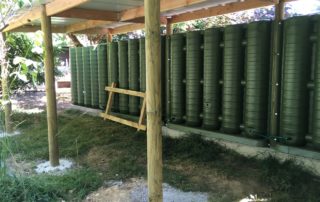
column 108, row 151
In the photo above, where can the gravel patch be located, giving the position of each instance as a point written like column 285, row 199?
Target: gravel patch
column 135, row 190
column 4, row 134
column 45, row 167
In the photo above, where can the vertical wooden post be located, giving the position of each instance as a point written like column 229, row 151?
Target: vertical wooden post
column 276, row 68
column 153, row 94
column 169, row 30
column 109, row 37
column 50, row 88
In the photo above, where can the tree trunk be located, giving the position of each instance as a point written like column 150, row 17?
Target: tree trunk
column 75, row 40
column 5, row 84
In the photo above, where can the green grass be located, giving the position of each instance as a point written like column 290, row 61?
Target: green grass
column 109, row 151
column 72, row 186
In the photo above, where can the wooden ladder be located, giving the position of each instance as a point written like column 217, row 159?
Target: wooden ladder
column 112, row 90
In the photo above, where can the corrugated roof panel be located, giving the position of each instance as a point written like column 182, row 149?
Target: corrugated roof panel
column 206, row 4
column 112, row 5
column 60, row 21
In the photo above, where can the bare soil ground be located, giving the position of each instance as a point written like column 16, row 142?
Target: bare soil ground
column 35, row 101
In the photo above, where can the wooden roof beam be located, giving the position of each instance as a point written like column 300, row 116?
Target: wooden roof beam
column 133, row 27
column 165, row 5
column 89, row 14
column 31, row 28
column 221, row 10
column 126, row 28
column 208, row 12
column 52, row 8
column 89, row 24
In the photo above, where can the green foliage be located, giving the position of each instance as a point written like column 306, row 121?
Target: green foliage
column 25, row 56
column 26, row 66
column 71, row 186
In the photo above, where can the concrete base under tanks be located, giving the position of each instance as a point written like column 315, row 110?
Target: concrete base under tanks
column 244, row 146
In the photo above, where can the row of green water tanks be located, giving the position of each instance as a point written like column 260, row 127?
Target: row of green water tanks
column 220, row 80
column 122, row 62
column 207, row 77
column 88, row 75
column 127, row 67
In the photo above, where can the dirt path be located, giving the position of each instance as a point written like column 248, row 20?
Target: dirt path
column 35, row 102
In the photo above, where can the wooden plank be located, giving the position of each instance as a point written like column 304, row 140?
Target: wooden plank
column 30, row 28
column 142, row 113
column 165, row 5
column 34, row 13
column 90, row 14
column 50, row 89
column 89, row 24
column 125, row 91
column 220, row 10
column 126, row 28
column 123, row 121
column 97, row 30
column 109, row 103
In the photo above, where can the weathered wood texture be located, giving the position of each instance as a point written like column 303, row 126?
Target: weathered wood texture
column 50, row 88
column 112, row 90
column 153, row 92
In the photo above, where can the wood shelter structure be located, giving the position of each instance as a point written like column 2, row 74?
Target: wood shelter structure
column 114, row 17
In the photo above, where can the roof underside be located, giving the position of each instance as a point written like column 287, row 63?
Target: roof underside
column 85, row 16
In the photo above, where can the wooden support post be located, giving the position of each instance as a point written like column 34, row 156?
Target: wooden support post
column 276, row 68
column 169, row 27
column 109, row 37
column 153, row 94
column 50, row 88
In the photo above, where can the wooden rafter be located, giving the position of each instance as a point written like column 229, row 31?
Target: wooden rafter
column 126, row 28
column 52, row 8
column 132, row 27
column 31, row 28
column 89, row 14
column 220, row 10
column 89, row 24
column 208, row 12
column 164, row 4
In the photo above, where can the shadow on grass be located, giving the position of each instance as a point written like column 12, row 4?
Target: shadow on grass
column 124, row 151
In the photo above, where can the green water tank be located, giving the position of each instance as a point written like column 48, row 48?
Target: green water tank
column 86, row 76
column 102, row 74
column 94, row 77
column 295, row 77
column 142, row 63
column 74, row 80
column 233, row 65
column 194, row 74
column 257, row 79
column 316, row 98
column 178, row 72
column 123, row 76
column 134, row 75
column 113, row 71
column 212, row 74
column 80, row 75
